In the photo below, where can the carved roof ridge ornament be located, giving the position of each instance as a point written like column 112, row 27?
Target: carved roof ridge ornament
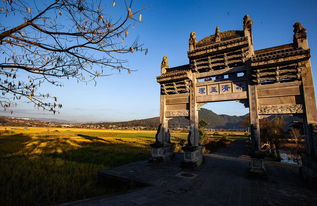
column 173, row 74
column 299, row 29
column 192, row 41
column 247, row 22
column 164, row 65
column 225, row 36
column 217, row 34
column 284, row 47
column 247, row 30
column 300, row 36
column 282, row 54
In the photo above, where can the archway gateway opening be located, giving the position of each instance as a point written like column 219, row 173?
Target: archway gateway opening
column 224, row 67
column 218, row 116
column 227, row 115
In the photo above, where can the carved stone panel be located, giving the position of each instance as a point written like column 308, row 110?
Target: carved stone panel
column 177, row 113
column 281, row 109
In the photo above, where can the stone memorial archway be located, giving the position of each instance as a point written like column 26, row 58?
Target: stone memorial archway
column 223, row 67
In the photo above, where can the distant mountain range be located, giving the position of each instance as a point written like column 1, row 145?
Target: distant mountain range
column 213, row 120
column 29, row 122
column 223, row 121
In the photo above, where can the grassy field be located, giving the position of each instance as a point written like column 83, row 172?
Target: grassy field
column 45, row 166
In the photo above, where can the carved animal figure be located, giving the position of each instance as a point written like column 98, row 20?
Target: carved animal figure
column 247, row 21
column 192, row 41
column 298, row 28
column 192, row 37
column 164, row 65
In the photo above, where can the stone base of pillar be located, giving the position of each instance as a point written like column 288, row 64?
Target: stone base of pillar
column 257, row 167
column 162, row 152
column 309, row 169
column 193, row 156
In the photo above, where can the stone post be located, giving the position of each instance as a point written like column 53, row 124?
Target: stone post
column 253, row 105
column 309, row 158
column 254, row 119
column 193, row 151
column 162, row 149
column 193, row 139
column 256, row 164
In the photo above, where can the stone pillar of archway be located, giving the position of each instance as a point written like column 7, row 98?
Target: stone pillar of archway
column 254, row 119
column 309, row 158
column 310, row 109
column 162, row 149
column 256, row 164
column 310, row 112
column 193, row 151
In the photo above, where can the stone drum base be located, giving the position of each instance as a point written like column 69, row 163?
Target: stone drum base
column 257, row 167
column 193, row 156
column 162, row 153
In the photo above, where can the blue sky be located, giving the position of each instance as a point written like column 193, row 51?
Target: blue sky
column 165, row 31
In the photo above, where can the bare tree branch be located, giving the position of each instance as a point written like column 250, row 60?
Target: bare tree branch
column 59, row 39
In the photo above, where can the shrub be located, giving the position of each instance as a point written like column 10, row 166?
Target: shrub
column 202, row 133
column 271, row 133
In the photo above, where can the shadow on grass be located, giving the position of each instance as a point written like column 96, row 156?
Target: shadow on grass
column 13, row 143
column 44, row 180
column 50, row 178
column 108, row 155
column 91, row 138
column 97, row 151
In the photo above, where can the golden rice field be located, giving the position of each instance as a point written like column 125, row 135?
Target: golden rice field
column 45, row 166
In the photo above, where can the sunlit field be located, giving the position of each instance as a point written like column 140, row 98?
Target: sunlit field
column 45, row 166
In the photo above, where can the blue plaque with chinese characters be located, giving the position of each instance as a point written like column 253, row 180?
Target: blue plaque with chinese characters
column 202, row 90
column 213, row 89
column 225, row 88
column 239, row 87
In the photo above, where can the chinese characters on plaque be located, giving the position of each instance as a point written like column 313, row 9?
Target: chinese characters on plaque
column 213, row 89
column 222, row 88
column 239, row 86
column 202, row 90
column 225, row 88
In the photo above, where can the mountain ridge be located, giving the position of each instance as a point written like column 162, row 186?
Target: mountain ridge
column 214, row 121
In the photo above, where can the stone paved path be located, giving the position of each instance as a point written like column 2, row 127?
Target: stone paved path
column 238, row 148
column 223, row 179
